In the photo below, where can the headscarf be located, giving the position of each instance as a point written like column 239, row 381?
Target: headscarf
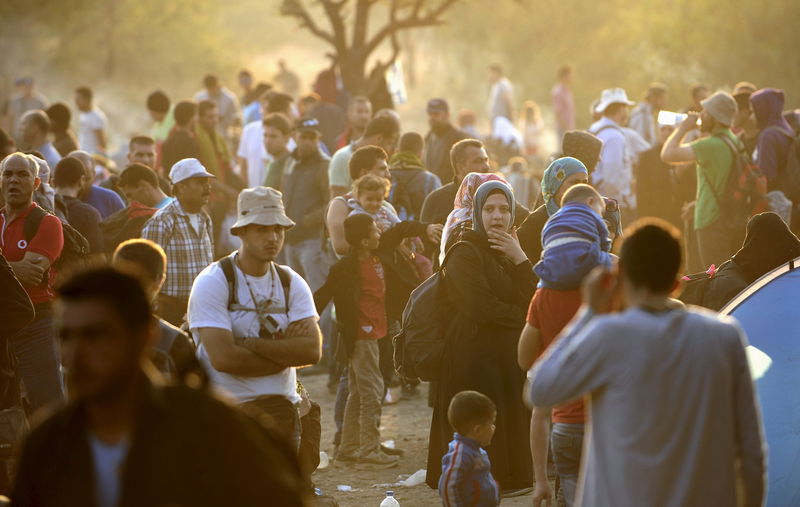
column 462, row 205
column 768, row 244
column 554, row 176
column 482, row 194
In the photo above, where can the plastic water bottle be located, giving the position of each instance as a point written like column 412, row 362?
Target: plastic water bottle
column 390, row 501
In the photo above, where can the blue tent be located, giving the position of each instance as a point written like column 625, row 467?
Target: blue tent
column 769, row 312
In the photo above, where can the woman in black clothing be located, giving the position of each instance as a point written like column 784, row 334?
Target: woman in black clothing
column 489, row 283
column 768, row 244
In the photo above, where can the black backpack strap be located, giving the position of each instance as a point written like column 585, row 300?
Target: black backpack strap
column 226, row 264
column 32, row 223
column 286, row 284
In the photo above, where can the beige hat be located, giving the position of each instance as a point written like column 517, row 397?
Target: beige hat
column 612, row 96
column 262, row 206
column 722, row 106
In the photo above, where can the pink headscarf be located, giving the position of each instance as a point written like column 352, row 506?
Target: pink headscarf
column 462, row 206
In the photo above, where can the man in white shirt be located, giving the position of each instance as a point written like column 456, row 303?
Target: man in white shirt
column 501, row 95
column 256, row 320
column 92, row 123
column 675, row 420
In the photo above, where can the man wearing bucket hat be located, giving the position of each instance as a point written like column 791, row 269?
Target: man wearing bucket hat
column 183, row 229
column 255, row 319
column 717, row 239
column 614, row 174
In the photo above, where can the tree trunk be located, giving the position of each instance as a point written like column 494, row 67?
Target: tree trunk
column 354, row 73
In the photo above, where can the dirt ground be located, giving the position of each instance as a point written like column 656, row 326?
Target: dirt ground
column 407, row 423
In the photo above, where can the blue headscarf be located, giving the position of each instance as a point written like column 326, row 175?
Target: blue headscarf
column 554, row 176
column 480, row 199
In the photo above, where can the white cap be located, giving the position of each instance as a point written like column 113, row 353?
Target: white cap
column 188, row 168
column 612, row 96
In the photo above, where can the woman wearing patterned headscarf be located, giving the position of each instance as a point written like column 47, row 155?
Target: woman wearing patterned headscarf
column 460, row 218
column 488, row 282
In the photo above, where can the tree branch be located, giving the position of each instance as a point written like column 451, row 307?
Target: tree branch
column 411, row 21
column 296, row 9
column 333, row 9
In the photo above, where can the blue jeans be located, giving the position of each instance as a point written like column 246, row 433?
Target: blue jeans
column 37, row 360
column 566, row 442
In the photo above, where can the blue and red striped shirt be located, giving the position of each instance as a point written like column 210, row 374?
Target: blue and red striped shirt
column 467, row 475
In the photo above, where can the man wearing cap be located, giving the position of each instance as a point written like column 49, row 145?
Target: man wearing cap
column 255, row 319
column 185, row 233
column 614, row 174
column 716, row 238
column 440, row 140
column 305, row 192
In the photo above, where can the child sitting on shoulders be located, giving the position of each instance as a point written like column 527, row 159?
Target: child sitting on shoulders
column 575, row 240
column 369, row 194
column 466, row 471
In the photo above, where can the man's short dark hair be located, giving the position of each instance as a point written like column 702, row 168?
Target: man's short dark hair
column 411, row 141
column 204, row 106
column 245, row 72
column 39, row 118
column 580, row 193
column 146, row 140
column 278, row 121
column 384, row 126
column 696, row 89
column 356, row 228
column 259, row 92
column 657, row 90
column 278, row 102
column 459, row 150
column 68, row 172
column 185, row 110
column 358, row 99
column 60, row 116
column 145, row 253
column 364, row 159
column 497, row 68
column 564, row 70
column 85, row 92
column 742, row 101
column 468, row 409
column 210, row 80
column 134, row 173
column 158, row 101
column 123, row 293
column 651, row 254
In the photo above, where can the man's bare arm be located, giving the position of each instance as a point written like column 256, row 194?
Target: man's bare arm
column 228, row 356
column 302, row 345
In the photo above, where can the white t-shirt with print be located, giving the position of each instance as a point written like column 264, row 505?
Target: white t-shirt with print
column 208, row 307
column 88, row 123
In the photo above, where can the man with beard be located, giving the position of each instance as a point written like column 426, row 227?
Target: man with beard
column 184, row 231
column 716, row 238
column 440, row 140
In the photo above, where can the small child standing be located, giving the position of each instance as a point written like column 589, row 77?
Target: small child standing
column 466, row 471
column 369, row 197
column 575, row 240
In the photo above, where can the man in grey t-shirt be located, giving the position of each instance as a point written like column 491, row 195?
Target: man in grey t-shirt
column 673, row 407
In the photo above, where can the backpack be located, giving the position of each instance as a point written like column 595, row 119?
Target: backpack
column 420, row 345
column 789, row 178
column 76, row 247
column 123, row 225
column 401, row 196
column 745, row 189
column 226, row 264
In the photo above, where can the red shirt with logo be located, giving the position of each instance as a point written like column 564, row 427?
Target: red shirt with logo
column 48, row 241
column 372, row 323
column 550, row 311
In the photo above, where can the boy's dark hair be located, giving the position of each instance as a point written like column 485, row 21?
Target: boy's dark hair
column 459, row 150
column 135, row 173
column 579, row 193
column 651, row 254
column 85, row 92
column 185, row 110
column 123, row 293
column 371, row 183
column 278, row 121
column 60, row 116
column 204, row 106
column 356, row 228
column 411, row 141
column 145, row 253
column 68, row 172
column 364, row 159
column 384, row 126
column 278, row 102
column 139, row 139
column 469, row 408
column 158, row 101
column 210, row 80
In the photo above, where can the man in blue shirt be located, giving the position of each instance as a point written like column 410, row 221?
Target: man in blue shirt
column 106, row 201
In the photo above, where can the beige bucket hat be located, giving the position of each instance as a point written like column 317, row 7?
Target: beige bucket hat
column 262, row 206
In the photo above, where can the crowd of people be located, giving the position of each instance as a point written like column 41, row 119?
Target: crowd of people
column 162, row 310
